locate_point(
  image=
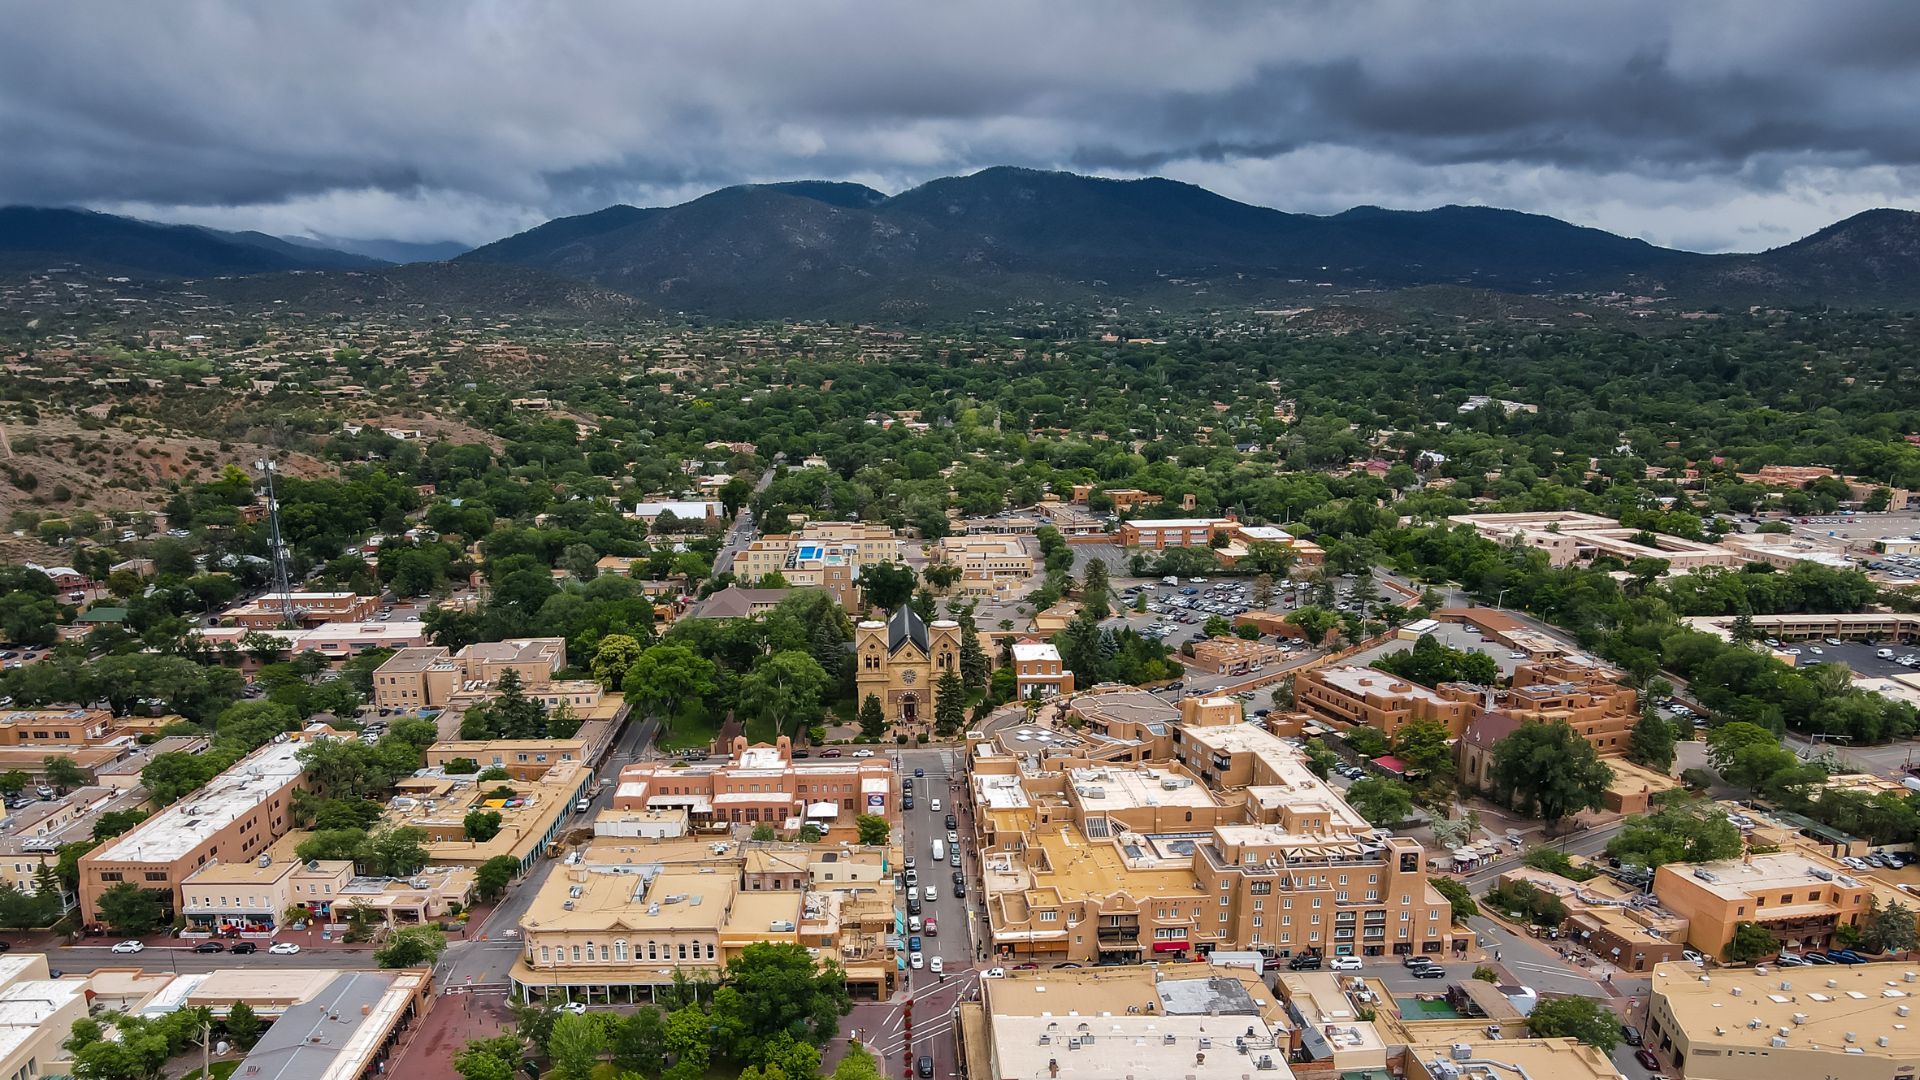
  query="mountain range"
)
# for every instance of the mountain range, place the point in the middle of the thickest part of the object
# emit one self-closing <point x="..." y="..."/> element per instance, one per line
<point x="1005" y="238"/>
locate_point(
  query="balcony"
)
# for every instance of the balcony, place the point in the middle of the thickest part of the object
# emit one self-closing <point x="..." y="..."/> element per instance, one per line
<point x="1110" y="935"/>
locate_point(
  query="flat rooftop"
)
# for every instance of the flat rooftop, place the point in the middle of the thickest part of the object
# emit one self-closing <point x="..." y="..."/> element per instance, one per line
<point x="1166" y="1034"/>
<point x="1366" y="682"/>
<point x="1733" y="879"/>
<point x="599" y="900"/>
<point x="172" y="833"/>
<point x="1118" y="787"/>
<point x="334" y="1035"/>
<point x="1839" y="1009"/>
<point x="1135" y="706"/>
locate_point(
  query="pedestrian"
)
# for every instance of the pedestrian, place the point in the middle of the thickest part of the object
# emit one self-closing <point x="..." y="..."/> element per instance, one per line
<point x="1496" y="956"/>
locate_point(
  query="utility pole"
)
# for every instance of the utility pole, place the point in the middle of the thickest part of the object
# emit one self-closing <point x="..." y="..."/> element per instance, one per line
<point x="266" y="466"/>
<point x="206" y="1048"/>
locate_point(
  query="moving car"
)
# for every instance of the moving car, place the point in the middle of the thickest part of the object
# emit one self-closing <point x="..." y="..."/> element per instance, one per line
<point x="916" y="961"/>
<point x="1645" y="1057"/>
<point x="994" y="973"/>
<point x="863" y="753"/>
<point x="577" y="1008"/>
<point x="1411" y="961"/>
<point x="936" y="806"/>
<point x="129" y="946"/>
<point x="1344" y="963"/>
<point x="283" y="948"/>
<point x="921" y="773"/>
<point x="1430" y="971"/>
<point x="924" y="1067"/>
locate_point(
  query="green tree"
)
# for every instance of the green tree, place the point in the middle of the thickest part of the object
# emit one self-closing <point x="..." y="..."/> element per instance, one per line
<point x="1549" y="771"/>
<point x="776" y="989"/>
<point x="481" y="1059"/>
<point x="576" y="1046"/>
<point x="1750" y="942"/>
<point x="1320" y="760"/>
<point x="639" y="1042"/>
<point x="1652" y="741"/>
<point x="887" y="585"/>
<point x="1458" y="897"/>
<point x="412" y="947"/>
<point x="950" y="705"/>
<point x="666" y="675"/>
<point x="13" y="782"/>
<point x="975" y="668"/>
<point x="243" y="1025"/>
<point x="398" y="852"/>
<point x="1681" y="832"/>
<point x="1581" y="1018"/>
<point x="62" y="773"/>
<point x="873" y="829"/>
<point x="784" y="690"/>
<point x="481" y="825"/>
<point x="689" y="1038"/>
<point x="614" y="657"/>
<point x="1381" y="801"/>
<point x="1314" y="622"/>
<point x="1889" y="929"/>
<point x="491" y="880"/>
<point x="130" y="910"/>
<point x="873" y="719"/>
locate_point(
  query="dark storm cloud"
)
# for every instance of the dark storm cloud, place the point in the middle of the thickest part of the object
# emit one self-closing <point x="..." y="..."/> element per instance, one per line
<point x="1716" y="123"/>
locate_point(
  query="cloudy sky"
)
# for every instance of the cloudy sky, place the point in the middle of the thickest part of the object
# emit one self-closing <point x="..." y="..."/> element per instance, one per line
<point x="1712" y="124"/>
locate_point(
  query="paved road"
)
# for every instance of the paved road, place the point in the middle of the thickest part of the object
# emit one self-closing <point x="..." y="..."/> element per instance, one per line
<point x="960" y="937"/>
<point x="486" y="962"/>
<point x="184" y="960"/>
<point x="741" y="533"/>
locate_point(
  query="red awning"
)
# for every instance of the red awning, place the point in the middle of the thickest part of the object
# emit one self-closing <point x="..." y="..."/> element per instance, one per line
<point x="1169" y="946"/>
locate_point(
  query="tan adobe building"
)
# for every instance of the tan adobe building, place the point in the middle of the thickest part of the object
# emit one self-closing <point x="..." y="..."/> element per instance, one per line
<point x="1128" y="713"/>
<point x="763" y="783"/>
<point x="823" y="554"/>
<point x="989" y="565"/>
<point x="71" y="727"/>
<point x="705" y="513"/>
<point x="1161" y="533"/>
<point x="37" y="1014"/>
<point x="621" y="918"/>
<point x="531" y="813"/>
<point x="523" y="759"/>
<point x="1585" y="697"/>
<point x="1842" y="1022"/>
<point x="247" y="898"/>
<point x="1613" y="921"/>
<point x="1569" y="537"/>
<point x="1798" y="897"/>
<point x="234" y="817"/>
<point x="1560" y="1059"/>
<point x="431" y="677"/>
<point x="32" y="835"/>
<point x="1190" y="1021"/>
<point x="1038" y="671"/>
<point x="901" y="662"/>
<point x="1367" y="697"/>
<point x="1239" y="848"/>
<point x="1234" y="656"/>
<point x="310" y="609"/>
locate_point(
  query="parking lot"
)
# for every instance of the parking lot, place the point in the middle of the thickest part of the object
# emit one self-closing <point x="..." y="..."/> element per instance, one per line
<point x="1452" y="635"/>
<point x="1862" y="657"/>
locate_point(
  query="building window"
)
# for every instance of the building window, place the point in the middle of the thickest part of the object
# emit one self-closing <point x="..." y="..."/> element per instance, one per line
<point x="1049" y="916"/>
<point x="576" y="954"/>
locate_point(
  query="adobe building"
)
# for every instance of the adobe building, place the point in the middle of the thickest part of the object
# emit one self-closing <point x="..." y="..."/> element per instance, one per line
<point x="763" y="784"/>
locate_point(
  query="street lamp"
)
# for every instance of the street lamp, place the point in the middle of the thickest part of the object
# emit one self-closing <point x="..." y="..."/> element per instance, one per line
<point x="1501" y="599"/>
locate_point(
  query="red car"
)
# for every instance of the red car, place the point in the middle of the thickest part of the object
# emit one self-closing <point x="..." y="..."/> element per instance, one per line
<point x="835" y="752"/>
<point x="1645" y="1057"/>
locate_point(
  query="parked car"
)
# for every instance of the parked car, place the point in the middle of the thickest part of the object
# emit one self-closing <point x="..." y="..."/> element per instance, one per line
<point x="1845" y="956"/>
<point x="913" y="943"/>
<point x="994" y="973"/>
<point x="129" y="946"/>
<point x="907" y="803"/>
<point x="1818" y="959"/>
<point x="243" y="948"/>
<point x="924" y="1067"/>
<point x="283" y="948"/>
<point x="1304" y="962"/>
<point x="209" y="947"/>
<point x="916" y="961"/>
<point x="832" y="751"/>
<point x="1345" y="963"/>
<point x="1631" y="1034"/>
<point x="1645" y="1057"/>
<point x="1412" y="961"/>
<point x="577" y="1008"/>
<point x="936" y="965"/>
<point x="951" y="822"/>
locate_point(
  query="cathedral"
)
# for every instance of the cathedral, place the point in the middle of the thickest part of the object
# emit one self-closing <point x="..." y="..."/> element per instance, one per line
<point x="901" y="662"/>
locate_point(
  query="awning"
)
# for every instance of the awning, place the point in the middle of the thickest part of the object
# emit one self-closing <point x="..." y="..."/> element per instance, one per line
<point x="1169" y="946"/>
<point x="825" y="811"/>
<point x="1029" y="935"/>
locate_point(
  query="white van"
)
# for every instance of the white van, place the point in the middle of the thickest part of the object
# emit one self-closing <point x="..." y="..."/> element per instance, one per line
<point x="939" y="850"/>
<point x="1885" y="654"/>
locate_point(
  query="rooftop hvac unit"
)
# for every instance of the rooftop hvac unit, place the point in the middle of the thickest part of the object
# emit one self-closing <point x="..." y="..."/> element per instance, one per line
<point x="1462" y="1051"/>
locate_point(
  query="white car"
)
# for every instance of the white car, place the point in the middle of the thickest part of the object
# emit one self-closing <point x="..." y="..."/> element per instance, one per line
<point x="283" y="948"/>
<point x="917" y="961"/>
<point x="129" y="946"/>
<point x="936" y="805"/>
<point x="994" y="973"/>
<point x="953" y="838"/>
<point x="577" y="1008"/>
<point x="930" y="891"/>
<point x="934" y="965"/>
<point x="863" y="753"/>
<point x="1344" y="963"/>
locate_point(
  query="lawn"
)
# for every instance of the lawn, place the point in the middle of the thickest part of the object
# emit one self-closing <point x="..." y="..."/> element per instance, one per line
<point x="221" y="1070"/>
<point x="694" y="729"/>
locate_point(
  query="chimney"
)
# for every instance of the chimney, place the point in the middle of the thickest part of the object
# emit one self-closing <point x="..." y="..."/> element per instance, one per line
<point x="1053" y="1067"/>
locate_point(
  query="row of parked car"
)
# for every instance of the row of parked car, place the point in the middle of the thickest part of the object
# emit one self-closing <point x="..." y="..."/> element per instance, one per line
<point x="1812" y="958"/>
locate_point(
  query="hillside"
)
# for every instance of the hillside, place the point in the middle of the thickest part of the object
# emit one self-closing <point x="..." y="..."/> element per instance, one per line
<point x="1004" y="237"/>
<point x="35" y="238"/>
